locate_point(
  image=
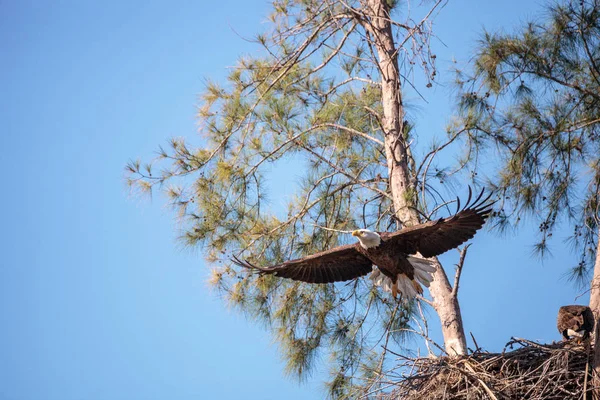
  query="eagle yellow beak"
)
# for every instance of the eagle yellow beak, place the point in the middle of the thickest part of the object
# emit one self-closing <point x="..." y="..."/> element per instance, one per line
<point x="356" y="233"/>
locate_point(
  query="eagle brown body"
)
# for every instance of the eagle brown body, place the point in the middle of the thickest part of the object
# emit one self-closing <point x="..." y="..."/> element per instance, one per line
<point x="392" y="254"/>
<point x="391" y="263"/>
<point x="575" y="322"/>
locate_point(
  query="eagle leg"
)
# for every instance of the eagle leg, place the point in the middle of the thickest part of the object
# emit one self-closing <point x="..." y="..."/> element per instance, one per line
<point x="417" y="286"/>
<point x="394" y="289"/>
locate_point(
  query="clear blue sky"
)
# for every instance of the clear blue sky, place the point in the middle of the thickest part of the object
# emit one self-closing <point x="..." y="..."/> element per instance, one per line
<point x="97" y="300"/>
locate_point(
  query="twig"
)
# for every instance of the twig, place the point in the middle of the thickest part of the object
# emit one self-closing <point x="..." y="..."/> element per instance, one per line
<point x="485" y="387"/>
<point x="477" y="348"/>
<point x="330" y="229"/>
<point x="459" y="267"/>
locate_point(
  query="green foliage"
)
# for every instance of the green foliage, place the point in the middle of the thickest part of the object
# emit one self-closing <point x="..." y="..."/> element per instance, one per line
<point x="535" y="100"/>
<point x="311" y="95"/>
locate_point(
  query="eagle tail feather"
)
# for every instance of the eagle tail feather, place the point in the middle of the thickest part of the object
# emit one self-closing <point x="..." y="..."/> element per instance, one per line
<point x="423" y="269"/>
<point x="408" y="288"/>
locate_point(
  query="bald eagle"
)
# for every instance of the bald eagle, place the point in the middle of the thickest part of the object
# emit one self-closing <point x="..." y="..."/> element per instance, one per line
<point x="575" y="322"/>
<point x="395" y="259"/>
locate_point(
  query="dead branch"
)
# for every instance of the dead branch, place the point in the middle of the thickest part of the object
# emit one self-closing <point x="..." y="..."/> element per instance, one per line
<point x="459" y="268"/>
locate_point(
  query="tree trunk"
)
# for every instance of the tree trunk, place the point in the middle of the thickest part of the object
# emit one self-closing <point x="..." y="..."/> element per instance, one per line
<point x="595" y="306"/>
<point x="403" y="192"/>
<point x="447" y="307"/>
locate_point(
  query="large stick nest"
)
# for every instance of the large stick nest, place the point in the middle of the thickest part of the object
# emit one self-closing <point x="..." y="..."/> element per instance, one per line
<point x="524" y="370"/>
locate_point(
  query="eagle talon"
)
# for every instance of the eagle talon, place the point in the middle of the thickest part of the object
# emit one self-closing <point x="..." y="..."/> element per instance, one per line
<point x="395" y="290"/>
<point x="417" y="287"/>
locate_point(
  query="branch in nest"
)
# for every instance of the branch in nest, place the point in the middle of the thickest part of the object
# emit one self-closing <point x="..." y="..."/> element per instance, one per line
<point x="533" y="371"/>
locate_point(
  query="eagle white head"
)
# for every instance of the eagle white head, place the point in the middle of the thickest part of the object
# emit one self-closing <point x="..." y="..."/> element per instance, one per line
<point x="367" y="238"/>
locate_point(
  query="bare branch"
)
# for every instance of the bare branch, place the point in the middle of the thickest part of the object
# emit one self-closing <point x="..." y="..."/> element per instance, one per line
<point x="330" y="229"/>
<point x="459" y="268"/>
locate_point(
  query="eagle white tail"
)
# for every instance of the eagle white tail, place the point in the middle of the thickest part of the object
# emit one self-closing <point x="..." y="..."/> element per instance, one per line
<point x="407" y="287"/>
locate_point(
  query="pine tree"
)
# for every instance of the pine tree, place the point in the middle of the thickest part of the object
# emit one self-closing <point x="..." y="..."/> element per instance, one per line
<point x="327" y="91"/>
<point x="534" y="100"/>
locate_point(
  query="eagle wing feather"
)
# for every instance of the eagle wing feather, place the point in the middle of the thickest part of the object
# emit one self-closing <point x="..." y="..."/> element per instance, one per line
<point x="341" y="263"/>
<point x="436" y="237"/>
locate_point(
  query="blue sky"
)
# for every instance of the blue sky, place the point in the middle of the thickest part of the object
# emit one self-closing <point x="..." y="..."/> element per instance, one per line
<point x="97" y="299"/>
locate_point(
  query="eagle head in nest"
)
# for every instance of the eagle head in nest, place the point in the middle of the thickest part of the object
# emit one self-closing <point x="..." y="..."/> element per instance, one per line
<point x="575" y="322"/>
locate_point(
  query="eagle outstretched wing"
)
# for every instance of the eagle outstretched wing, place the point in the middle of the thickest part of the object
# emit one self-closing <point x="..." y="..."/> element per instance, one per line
<point x="436" y="237"/>
<point x="341" y="263"/>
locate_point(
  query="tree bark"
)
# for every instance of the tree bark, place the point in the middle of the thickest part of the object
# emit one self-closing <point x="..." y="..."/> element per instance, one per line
<point x="595" y="306"/>
<point x="403" y="192"/>
<point x="595" y="285"/>
<point x="446" y="305"/>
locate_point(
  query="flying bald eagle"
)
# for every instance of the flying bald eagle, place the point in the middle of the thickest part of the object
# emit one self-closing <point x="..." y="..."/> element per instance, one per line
<point x="575" y="322"/>
<point x="391" y="257"/>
